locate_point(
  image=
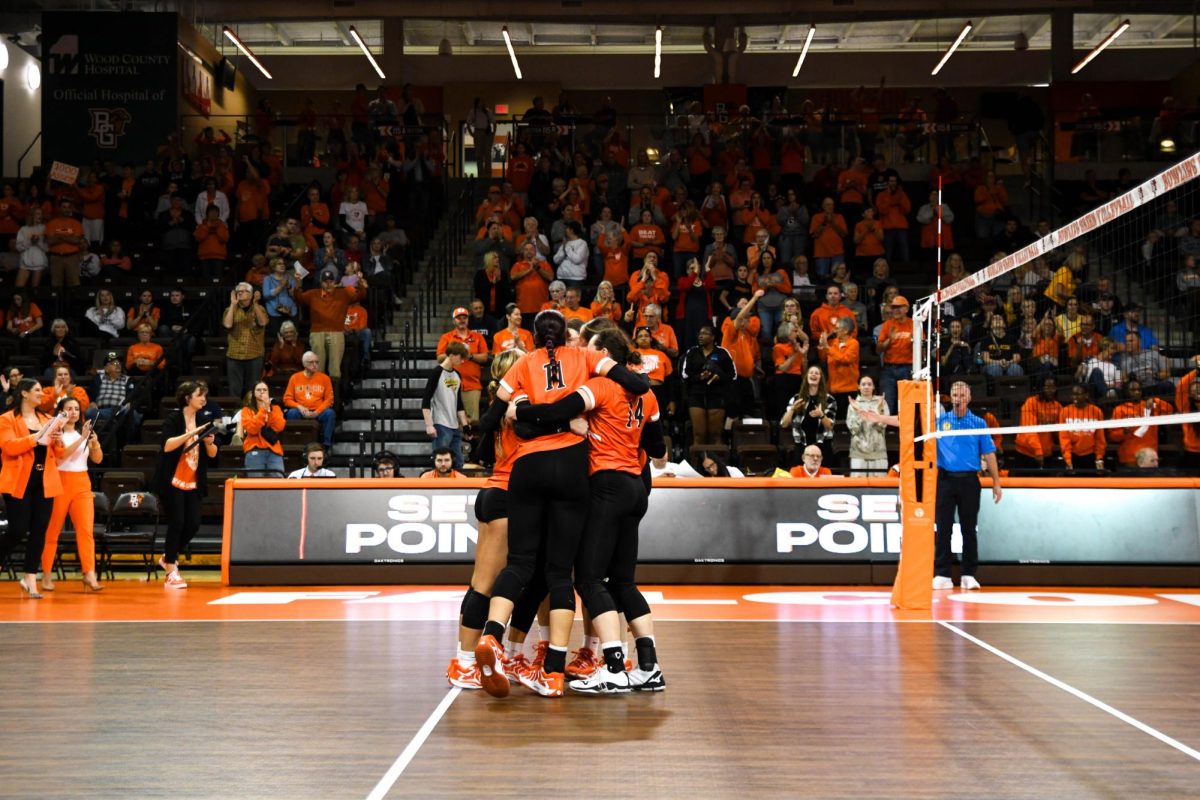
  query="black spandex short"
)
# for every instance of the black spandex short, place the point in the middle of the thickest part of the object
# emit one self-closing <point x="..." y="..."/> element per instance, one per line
<point x="491" y="504"/>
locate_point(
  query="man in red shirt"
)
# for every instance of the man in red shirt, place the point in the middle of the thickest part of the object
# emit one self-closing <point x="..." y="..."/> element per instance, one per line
<point x="64" y="235"/>
<point x="469" y="370"/>
<point x="895" y="350"/>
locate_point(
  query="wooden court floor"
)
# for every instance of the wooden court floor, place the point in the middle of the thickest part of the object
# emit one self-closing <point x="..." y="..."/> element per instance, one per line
<point x="773" y="692"/>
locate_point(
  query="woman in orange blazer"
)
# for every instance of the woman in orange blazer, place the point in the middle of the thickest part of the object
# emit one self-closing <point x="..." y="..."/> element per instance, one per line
<point x="28" y="479"/>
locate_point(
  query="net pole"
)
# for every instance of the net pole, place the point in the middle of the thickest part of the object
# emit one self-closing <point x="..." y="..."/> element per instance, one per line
<point x="935" y="349"/>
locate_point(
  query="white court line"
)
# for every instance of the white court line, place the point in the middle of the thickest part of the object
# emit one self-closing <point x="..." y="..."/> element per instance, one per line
<point x="1084" y="696"/>
<point x="401" y="763"/>
<point x="765" y="620"/>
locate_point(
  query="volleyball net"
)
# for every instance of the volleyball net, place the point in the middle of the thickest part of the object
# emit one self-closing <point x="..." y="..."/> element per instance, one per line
<point x="1086" y="336"/>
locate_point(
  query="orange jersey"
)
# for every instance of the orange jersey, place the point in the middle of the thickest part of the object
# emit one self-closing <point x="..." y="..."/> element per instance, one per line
<point x="535" y="379"/>
<point x="581" y="313"/>
<point x="615" y="420"/>
<point x="780" y="353"/>
<point x="899" y="334"/>
<point x="742" y="345"/>
<point x="1037" y="411"/>
<point x="842" y="359"/>
<point x="1087" y="440"/>
<point x="507" y="446"/>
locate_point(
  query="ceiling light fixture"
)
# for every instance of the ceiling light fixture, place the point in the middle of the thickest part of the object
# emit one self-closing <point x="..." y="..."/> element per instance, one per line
<point x="3" y="56"/>
<point x="658" y="51"/>
<point x="961" y="35"/>
<point x="812" y="31"/>
<point x="1112" y="37"/>
<point x="511" y="53"/>
<point x="357" y="37"/>
<point x="233" y="37"/>
<point x="33" y="76"/>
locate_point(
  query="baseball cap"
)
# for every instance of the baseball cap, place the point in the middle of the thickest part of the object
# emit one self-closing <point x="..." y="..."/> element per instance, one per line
<point x="899" y="300"/>
<point x="1107" y="296"/>
<point x="1133" y="305"/>
<point x="110" y="357"/>
<point x="329" y="274"/>
<point x="461" y="312"/>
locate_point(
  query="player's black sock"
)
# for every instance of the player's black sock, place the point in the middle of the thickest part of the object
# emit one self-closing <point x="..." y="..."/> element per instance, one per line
<point x="493" y="628"/>
<point x="647" y="656"/>
<point x="614" y="658"/>
<point x="556" y="660"/>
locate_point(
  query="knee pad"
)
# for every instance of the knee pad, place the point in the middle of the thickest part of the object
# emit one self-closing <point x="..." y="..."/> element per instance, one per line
<point x="526" y="607"/>
<point x="629" y="600"/>
<point x="475" y="609"/>
<point x="513" y="579"/>
<point x="595" y="596"/>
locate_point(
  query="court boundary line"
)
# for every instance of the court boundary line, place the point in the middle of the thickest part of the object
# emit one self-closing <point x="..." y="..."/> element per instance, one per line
<point x="414" y="745"/>
<point x="1077" y="693"/>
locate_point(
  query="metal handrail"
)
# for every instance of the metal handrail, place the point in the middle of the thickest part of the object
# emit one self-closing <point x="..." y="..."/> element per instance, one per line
<point x="21" y="160"/>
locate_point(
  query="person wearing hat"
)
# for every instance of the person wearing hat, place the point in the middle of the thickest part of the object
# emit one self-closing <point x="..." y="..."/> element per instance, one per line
<point x="1132" y="324"/>
<point x="327" y="306"/>
<point x="111" y="391"/>
<point x="246" y="321"/>
<point x="895" y="349"/>
<point x="469" y="369"/>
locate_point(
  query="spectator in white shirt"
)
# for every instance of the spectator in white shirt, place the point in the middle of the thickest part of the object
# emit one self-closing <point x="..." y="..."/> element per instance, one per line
<point x="572" y="256"/>
<point x="315" y="455"/>
<point x="353" y="211"/>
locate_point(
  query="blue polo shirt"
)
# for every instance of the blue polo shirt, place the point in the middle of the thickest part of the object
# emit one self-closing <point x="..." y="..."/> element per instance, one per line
<point x="962" y="453"/>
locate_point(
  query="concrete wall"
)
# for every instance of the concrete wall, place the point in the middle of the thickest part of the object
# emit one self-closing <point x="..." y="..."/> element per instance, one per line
<point x="22" y="113"/>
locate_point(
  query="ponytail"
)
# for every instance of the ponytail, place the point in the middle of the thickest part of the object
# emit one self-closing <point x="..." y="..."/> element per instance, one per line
<point x="550" y="331"/>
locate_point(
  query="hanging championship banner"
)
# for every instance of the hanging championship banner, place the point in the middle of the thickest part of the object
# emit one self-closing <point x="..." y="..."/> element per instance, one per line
<point x="109" y="85"/>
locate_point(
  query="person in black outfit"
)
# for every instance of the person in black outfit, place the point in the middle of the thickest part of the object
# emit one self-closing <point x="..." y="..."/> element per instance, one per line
<point x="28" y="480"/>
<point x="708" y="373"/>
<point x="181" y="478"/>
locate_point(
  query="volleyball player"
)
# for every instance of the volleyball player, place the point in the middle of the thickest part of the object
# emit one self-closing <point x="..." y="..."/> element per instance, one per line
<point x="499" y="447"/>
<point x="620" y="425"/>
<point x="547" y="494"/>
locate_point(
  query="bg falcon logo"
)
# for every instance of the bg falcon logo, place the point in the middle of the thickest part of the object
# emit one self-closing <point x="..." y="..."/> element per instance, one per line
<point x="108" y="126"/>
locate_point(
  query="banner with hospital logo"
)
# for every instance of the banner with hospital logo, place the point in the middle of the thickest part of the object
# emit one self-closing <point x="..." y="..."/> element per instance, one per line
<point x="109" y="86"/>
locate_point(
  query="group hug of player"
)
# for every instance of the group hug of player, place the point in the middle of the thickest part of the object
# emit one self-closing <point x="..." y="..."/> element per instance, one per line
<point x="572" y="428"/>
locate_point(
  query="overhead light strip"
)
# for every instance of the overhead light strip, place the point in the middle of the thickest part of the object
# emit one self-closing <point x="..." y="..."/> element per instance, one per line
<point x="658" y="51"/>
<point x="511" y="53"/>
<point x="357" y="37"/>
<point x="961" y="35"/>
<point x="1112" y="37"/>
<point x="812" y="31"/>
<point x="246" y="51"/>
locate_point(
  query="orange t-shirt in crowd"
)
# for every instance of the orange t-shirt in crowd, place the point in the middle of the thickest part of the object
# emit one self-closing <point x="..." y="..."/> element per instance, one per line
<point x="1128" y="442"/>
<point x="315" y="393"/>
<point x="253" y="422"/>
<point x="842" y="359"/>
<point x="871" y="243"/>
<point x="992" y="422"/>
<point x="63" y="226"/>
<point x="12" y="215"/>
<point x="1037" y="411"/>
<point x="615" y="421"/>
<point x="665" y="335"/>
<point x="853" y="185"/>
<point x="655" y="364"/>
<point x="375" y="195"/>
<point x="929" y="235"/>
<point x="508" y="444"/>
<point x="893" y="209"/>
<point x="148" y="350"/>
<point x="616" y="261"/>
<point x="990" y="201"/>
<point x="468" y="370"/>
<point x="781" y="353"/>
<point x="92" y="198"/>
<point x="742" y="345"/>
<point x="646" y="239"/>
<point x="532" y="290"/>
<point x="824" y="319"/>
<point x="1081" y="348"/>
<point x="827" y="239"/>
<point x="210" y="241"/>
<point x="899" y="347"/>
<point x="252" y="201"/>
<point x="53" y="394"/>
<point x="536" y="379"/>
<point x="500" y="340"/>
<point x="1081" y="441"/>
<point x="798" y="472"/>
<point x="433" y="474"/>
<point x="660" y="292"/>
<point x="612" y="310"/>
<point x="581" y="313"/>
<point x="687" y="236"/>
<point x="25" y="324"/>
<point x="314" y="218"/>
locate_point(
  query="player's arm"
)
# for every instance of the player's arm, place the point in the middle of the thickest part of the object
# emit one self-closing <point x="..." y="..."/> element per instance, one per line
<point x="652" y="440"/>
<point x="558" y="413"/>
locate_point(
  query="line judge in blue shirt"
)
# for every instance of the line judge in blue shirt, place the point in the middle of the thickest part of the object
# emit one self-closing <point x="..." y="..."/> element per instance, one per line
<point x="958" y="459"/>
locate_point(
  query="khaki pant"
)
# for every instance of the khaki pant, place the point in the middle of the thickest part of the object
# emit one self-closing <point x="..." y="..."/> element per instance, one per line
<point x="329" y="347"/>
<point x="471" y="404"/>
<point x="64" y="269"/>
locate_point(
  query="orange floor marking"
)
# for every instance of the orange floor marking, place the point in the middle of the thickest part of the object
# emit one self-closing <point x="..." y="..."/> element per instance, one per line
<point x="138" y="601"/>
